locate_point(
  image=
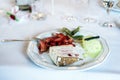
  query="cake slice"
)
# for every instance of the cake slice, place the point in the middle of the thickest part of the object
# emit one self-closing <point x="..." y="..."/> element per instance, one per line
<point x="64" y="55"/>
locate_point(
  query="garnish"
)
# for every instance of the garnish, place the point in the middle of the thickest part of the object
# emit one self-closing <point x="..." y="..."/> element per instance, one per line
<point x="67" y="31"/>
<point x="12" y="16"/>
<point x="92" y="48"/>
<point x="75" y="30"/>
<point x="72" y="33"/>
<point x="93" y="37"/>
<point x="79" y="37"/>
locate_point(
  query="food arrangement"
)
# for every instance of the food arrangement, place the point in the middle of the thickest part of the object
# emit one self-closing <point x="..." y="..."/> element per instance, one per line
<point x="66" y="47"/>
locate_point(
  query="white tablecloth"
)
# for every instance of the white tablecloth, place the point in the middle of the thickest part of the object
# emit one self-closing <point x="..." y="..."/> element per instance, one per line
<point x="15" y="64"/>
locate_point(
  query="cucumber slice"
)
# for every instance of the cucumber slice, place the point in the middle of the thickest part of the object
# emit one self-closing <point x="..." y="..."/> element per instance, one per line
<point x="92" y="48"/>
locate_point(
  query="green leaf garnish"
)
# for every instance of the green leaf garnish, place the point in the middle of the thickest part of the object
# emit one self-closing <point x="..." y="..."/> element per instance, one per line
<point x="78" y="37"/>
<point x="67" y="31"/>
<point x="75" y="30"/>
<point x="93" y="37"/>
<point x="72" y="33"/>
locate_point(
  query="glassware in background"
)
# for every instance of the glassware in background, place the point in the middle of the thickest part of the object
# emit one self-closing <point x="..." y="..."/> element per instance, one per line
<point x="71" y="7"/>
<point x="83" y="11"/>
<point x="29" y="10"/>
<point x="44" y="8"/>
<point x="108" y="4"/>
<point x="38" y="12"/>
<point x="36" y="6"/>
<point x="53" y="7"/>
<point x="89" y="18"/>
<point x="24" y="2"/>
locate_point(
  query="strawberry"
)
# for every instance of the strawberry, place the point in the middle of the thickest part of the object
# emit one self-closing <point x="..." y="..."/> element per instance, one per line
<point x="52" y="44"/>
<point x="47" y="40"/>
<point x="70" y="41"/>
<point x="42" y="46"/>
<point x="56" y="40"/>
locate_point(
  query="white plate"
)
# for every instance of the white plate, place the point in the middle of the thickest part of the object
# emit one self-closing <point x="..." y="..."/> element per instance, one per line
<point x="43" y="60"/>
<point x="115" y="7"/>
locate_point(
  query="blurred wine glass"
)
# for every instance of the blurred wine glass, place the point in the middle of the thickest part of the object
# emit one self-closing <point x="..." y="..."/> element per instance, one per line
<point x="108" y="4"/>
<point x="35" y="6"/>
<point x="73" y="7"/>
<point x="82" y="7"/>
<point x="40" y="7"/>
<point x="38" y="12"/>
<point x="53" y="7"/>
<point x="89" y="18"/>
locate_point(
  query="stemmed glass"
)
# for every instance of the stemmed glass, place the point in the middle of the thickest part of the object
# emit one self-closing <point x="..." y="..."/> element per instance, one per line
<point x="108" y="4"/>
<point x="89" y="19"/>
<point x="72" y="6"/>
<point x="52" y="7"/>
<point x="35" y="6"/>
<point x="40" y="9"/>
<point x="84" y="5"/>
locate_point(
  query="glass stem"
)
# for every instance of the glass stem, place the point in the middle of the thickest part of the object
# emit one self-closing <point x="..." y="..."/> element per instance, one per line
<point x="52" y="7"/>
<point x="109" y="20"/>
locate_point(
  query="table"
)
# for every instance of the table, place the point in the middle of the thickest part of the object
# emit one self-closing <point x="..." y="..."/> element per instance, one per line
<point x="15" y="64"/>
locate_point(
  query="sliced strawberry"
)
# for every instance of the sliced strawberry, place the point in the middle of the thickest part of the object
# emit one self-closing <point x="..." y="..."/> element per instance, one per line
<point x="65" y="41"/>
<point x="52" y="44"/>
<point x="70" y="41"/>
<point x="43" y="46"/>
<point x="60" y="35"/>
<point x="57" y="39"/>
<point x="59" y="43"/>
<point x="47" y="40"/>
<point x="66" y="37"/>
